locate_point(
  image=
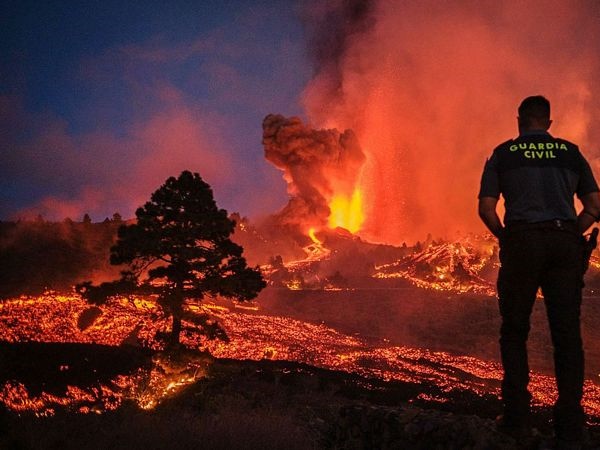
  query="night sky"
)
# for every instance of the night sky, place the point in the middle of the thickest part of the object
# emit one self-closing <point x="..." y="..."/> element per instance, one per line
<point x="101" y="101"/>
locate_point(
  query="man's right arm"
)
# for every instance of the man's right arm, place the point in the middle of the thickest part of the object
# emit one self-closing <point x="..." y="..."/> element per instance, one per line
<point x="489" y="216"/>
<point x="489" y="193"/>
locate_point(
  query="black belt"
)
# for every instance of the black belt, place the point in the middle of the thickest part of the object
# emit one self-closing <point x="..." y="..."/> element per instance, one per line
<point x="556" y="225"/>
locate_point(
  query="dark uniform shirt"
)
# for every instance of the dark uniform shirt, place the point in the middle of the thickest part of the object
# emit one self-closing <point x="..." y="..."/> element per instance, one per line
<point x="537" y="174"/>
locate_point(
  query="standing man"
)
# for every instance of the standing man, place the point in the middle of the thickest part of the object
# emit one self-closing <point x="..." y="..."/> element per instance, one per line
<point x="541" y="245"/>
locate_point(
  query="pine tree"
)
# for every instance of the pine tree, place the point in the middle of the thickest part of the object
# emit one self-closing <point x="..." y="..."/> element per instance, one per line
<point x="179" y="249"/>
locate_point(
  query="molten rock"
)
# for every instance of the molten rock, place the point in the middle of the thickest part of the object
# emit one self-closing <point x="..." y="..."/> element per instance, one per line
<point x="317" y="165"/>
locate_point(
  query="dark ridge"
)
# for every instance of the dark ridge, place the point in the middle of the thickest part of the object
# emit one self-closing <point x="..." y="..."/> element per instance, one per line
<point x="52" y="367"/>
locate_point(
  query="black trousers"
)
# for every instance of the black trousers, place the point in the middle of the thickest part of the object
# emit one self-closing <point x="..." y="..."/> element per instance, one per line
<point x="549" y="257"/>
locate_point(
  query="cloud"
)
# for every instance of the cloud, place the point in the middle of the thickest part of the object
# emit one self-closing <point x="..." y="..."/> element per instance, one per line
<point x="101" y="172"/>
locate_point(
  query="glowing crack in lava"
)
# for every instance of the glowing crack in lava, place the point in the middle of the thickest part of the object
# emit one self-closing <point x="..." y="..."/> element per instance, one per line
<point x="347" y="212"/>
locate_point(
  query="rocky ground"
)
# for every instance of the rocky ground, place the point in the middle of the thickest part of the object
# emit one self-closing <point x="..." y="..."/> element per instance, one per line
<point x="278" y="404"/>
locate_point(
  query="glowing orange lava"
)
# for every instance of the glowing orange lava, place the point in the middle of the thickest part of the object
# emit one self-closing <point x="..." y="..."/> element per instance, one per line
<point x="347" y="211"/>
<point x="252" y="335"/>
<point x="313" y="237"/>
<point x="314" y="251"/>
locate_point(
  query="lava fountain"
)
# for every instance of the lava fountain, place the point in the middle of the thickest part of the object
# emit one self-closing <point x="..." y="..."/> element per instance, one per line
<point x="321" y="168"/>
<point x="347" y="212"/>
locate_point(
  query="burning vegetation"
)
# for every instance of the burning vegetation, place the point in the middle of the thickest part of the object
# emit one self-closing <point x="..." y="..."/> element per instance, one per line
<point x="126" y="331"/>
<point x="333" y="260"/>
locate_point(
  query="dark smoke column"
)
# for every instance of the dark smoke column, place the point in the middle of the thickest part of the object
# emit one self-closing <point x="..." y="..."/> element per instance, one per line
<point x="317" y="165"/>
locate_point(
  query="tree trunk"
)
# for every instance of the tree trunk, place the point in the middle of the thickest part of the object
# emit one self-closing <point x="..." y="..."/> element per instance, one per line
<point x="175" y="330"/>
<point x="176" y="307"/>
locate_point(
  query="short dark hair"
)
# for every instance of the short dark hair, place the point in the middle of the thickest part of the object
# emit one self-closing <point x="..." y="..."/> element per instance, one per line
<point x="534" y="108"/>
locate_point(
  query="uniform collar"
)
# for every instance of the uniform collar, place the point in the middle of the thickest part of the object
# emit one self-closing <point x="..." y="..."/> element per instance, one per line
<point x="534" y="133"/>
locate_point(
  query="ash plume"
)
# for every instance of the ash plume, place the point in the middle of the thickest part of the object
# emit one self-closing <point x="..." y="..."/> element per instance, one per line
<point x="430" y="90"/>
<point x="316" y="163"/>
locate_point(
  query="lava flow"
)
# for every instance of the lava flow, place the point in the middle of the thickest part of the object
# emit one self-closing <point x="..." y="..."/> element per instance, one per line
<point x="253" y="334"/>
<point x="448" y="266"/>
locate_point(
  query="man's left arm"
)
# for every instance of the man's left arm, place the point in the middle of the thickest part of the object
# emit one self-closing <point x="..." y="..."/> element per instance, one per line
<point x="587" y="191"/>
<point x="590" y="212"/>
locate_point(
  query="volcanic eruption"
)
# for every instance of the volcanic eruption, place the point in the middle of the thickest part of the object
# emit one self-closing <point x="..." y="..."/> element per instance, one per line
<point x="322" y="170"/>
<point x="388" y="152"/>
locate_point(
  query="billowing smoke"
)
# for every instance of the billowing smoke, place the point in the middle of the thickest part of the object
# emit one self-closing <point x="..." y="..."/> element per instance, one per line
<point x="316" y="163"/>
<point x="430" y="89"/>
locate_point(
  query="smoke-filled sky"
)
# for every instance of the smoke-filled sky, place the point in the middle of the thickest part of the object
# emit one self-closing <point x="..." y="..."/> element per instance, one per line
<point x="100" y="101"/>
<point x="431" y="87"/>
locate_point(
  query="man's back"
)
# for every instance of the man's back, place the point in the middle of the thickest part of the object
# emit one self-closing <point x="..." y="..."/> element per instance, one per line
<point x="537" y="174"/>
